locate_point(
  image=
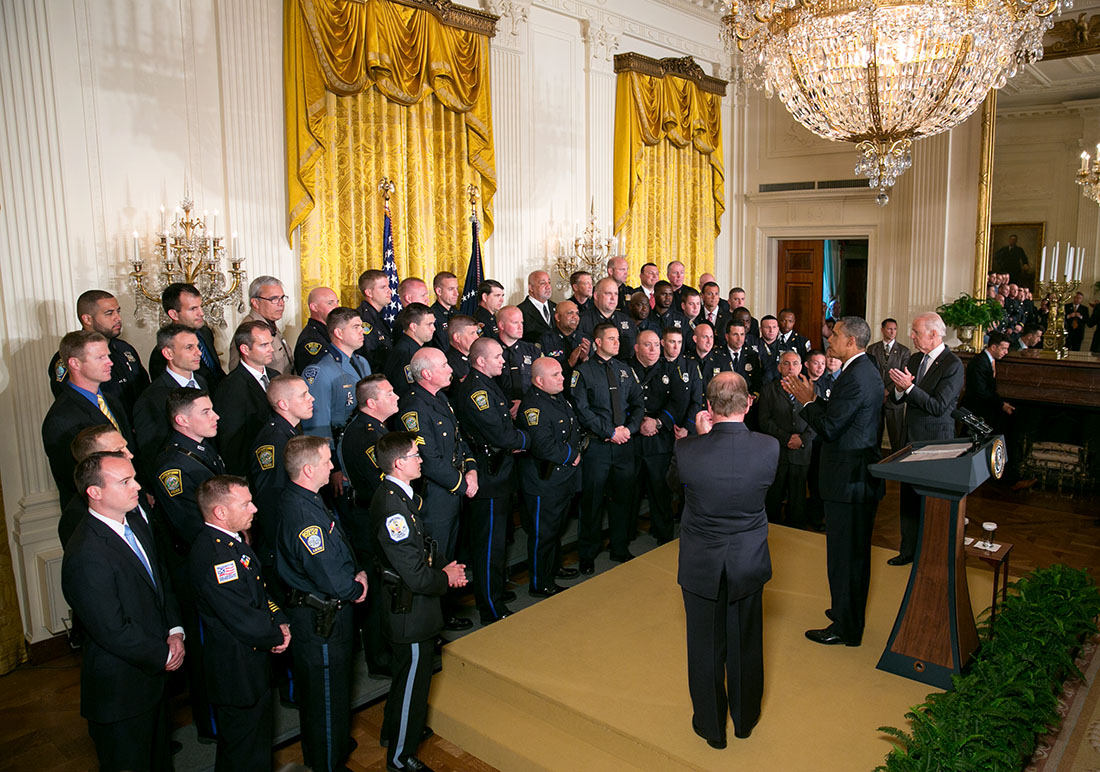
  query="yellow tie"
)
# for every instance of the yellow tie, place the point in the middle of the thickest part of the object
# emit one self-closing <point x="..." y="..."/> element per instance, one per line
<point x="106" y="411"/>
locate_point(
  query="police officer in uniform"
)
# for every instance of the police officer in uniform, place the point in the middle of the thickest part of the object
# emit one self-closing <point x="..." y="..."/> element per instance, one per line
<point x="768" y="349"/>
<point x="490" y="299"/>
<point x="666" y="311"/>
<point x="315" y="560"/>
<point x="686" y="384"/>
<point x="549" y="472"/>
<point x="449" y="471"/>
<point x="706" y="356"/>
<point x="736" y="356"/>
<point x="415" y="579"/>
<point x="241" y="624"/>
<point x="610" y="407"/>
<point x="653" y="442"/>
<point x="789" y="340"/>
<point x="486" y="423"/>
<point x="332" y="380"/>
<point x="414" y="328"/>
<point x="463" y="331"/>
<point x="519" y="354"/>
<point x="377" y="337"/>
<point x="605" y="310"/>
<point x="313" y="341"/>
<point x="564" y="342"/>
<point x="99" y="311"/>
<point x="445" y="286"/>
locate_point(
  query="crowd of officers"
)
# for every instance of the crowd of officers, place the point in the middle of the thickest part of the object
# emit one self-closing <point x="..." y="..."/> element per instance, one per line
<point x="349" y="475"/>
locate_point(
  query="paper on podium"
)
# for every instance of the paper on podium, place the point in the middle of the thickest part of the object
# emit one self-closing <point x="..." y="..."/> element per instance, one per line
<point x="938" y="452"/>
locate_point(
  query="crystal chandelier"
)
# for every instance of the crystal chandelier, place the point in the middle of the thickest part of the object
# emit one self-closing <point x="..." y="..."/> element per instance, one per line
<point x="881" y="73"/>
<point x="590" y="250"/>
<point x="1088" y="176"/>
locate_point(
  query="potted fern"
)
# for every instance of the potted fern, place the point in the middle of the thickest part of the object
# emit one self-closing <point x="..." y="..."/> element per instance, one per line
<point x="970" y="317"/>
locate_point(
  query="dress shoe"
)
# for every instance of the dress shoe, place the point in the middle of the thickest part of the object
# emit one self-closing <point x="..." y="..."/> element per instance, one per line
<point x="899" y="560"/>
<point x="566" y="573"/>
<point x="829" y="613"/>
<point x="622" y="557"/>
<point x="540" y="592"/>
<point x="455" y="624"/>
<point x="716" y="744"/>
<point x="428" y="732"/>
<point x="409" y="764"/>
<point x="503" y="612"/>
<point x="588" y="566"/>
<point x="828" y="637"/>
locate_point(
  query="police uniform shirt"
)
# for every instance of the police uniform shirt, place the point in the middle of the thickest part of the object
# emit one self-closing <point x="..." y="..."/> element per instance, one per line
<point x="357" y="457"/>
<point x="591" y="392"/>
<point x="657" y="387"/>
<point x="628" y="331"/>
<point x="486" y="323"/>
<point x="441" y="340"/>
<point x="709" y="365"/>
<point x="313" y="553"/>
<point x="823" y="386"/>
<point x="685" y="391"/>
<point x="559" y="346"/>
<point x="377" y="337"/>
<point x="460" y="365"/>
<point x="678" y="295"/>
<point x="625" y="291"/>
<point x="556" y="442"/>
<point x="332" y="381"/>
<point x="267" y="471"/>
<point x="748" y="366"/>
<point x="769" y="357"/>
<point x="482" y="410"/>
<point x="313" y="343"/>
<point x="672" y="320"/>
<point x="792" y="341"/>
<point x="518" y="358"/>
<point x="180" y="469"/>
<point x="128" y="377"/>
<point x="445" y="456"/>
<point x="397" y="370"/>
<point x="581" y="307"/>
<point x="651" y="323"/>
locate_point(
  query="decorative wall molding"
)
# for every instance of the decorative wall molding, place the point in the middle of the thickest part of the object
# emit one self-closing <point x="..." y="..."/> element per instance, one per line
<point x="601" y="44"/>
<point x="454" y="15"/>
<point x="511" y="22"/>
<point x="679" y="66"/>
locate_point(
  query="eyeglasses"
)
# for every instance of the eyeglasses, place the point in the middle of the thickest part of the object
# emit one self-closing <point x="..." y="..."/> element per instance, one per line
<point x="413" y="455"/>
<point x="273" y="298"/>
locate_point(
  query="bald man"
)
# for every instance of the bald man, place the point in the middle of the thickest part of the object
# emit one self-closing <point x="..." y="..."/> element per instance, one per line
<point x="618" y="269"/>
<point x="537" y="307"/>
<point x="313" y="341"/>
<point x="519" y="354"/>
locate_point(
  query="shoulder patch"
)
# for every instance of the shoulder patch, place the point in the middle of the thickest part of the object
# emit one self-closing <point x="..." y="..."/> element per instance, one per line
<point x="370" y="455"/>
<point x="265" y="456"/>
<point x="367" y="328"/>
<point x="313" y="538"/>
<point x="310" y="374"/>
<point x="573" y="381"/>
<point x="480" y="399"/>
<point x="408" y="373"/>
<point x="60" y="371"/>
<point x="225" y="572"/>
<point x="172" y="480"/>
<point x="398" y="528"/>
<point x="312" y="348"/>
<point x="532" y="416"/>
<point x="411" y="421"/>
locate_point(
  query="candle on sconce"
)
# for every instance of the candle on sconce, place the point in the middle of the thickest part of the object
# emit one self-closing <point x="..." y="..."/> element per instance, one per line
<point x="1069" y="262"/>
<point x="137" y="254"/>
<point x="1043" y="266"/>
<point x="235" y="246"/>
<point x="1054" y="267"/>
<point x="1084" y="161"/>
<point x="163" y="225"/>
<point x="214" y="226"/>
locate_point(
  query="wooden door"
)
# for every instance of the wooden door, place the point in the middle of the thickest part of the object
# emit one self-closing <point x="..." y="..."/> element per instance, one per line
<point x="801" y="275"/>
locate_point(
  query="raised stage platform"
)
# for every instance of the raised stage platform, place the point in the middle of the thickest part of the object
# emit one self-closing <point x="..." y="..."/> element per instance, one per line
<point x="596" y="678"/>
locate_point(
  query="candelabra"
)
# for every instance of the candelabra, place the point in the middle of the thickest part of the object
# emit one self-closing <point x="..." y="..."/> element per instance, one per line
<point x="590" y="251"/>
<point x="186" y="252"/>
<point x="1088" y="177"/>
<point x="1054" y="339"/>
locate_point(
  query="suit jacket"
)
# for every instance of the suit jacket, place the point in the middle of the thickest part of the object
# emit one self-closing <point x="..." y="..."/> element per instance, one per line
<point x="534" y="323"/>
<point x="70" y="412"/>
<point x="151" y="420"/>
<point x="284" y="358"/>
<point x="242" y="407"/>
<point x="725" y="475"/>
<point x="779" y="417"/>
<point x="213" y="375"/>
<point x="898" y="358"/>
<point x="981" y="389"/>
<point x="848" y="426"/>
<point x="126" y="617"/>
<point x="930" y="402"/>
<point x="722" y="318"/>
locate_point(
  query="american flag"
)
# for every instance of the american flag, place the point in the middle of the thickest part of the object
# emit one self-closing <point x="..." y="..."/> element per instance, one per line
<point x="475" y="273"/>
<point x="389" y="267"/>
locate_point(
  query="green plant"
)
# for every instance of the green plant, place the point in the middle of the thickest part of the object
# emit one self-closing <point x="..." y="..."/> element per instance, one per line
<point x="968" y="311"/>
<point x="1009" y="696"/>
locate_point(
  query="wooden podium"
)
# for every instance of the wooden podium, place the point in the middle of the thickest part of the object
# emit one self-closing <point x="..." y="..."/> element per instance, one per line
<point x="934" y="633"/>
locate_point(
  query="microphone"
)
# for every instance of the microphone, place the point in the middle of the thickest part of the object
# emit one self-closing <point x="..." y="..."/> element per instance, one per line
<point x="972" y="422"/>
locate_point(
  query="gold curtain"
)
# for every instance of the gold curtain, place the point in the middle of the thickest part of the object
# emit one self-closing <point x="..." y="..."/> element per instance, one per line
<point x="669" y="177"/>
<point x="374" y="89"/>
<point x="13" y="649"/>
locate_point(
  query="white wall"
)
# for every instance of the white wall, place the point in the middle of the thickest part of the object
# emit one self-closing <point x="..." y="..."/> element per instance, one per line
<point x="106" y="106"/>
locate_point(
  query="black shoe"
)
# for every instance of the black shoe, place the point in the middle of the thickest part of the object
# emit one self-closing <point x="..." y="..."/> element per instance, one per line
<point x="428" y="732"/>
<point x="829" y="613"/>
<point x="409" y="764"/>
<point x="507" y="596"/>
<point x="454" y="624"/>
<point x="504" y="612"/>
<point x="566" y="573"/>
<point x="828" y="637"/>
<point x="716" y="744"/>
<point x="622" y="557"/>
<point x="588" y="566"/>
<point x="899" y="560"/>
<point x="553" y="589"/>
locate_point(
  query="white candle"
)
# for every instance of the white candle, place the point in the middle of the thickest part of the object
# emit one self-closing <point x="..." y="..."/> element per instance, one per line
<point x="137" y="254"/>
<point x="1080" y="263"/>
<point x="162" y="224"/>
<point x="1069" y="262"/>
<point x="1084" y="162"/>
<point x="1054" y="267"/>
<point x="234" y="245"/>
<point x="1043" y="267"/>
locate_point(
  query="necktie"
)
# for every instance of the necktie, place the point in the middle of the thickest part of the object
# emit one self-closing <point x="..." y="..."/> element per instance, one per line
<point x="264" y="380"/>
<point x="355" y="366"/>
<point x="192" y="384"/>
<point x="131" y="539"/>
<point x="204" y="353"/>
<point x="736" y="356"/>
<point x="546" y="313"/>
<point x="924" y="364"/>
<point x="710" y="318"/>
<point x="106" y="410"/>
<point x="618" y="417"/>
<point x="994" y="362"/>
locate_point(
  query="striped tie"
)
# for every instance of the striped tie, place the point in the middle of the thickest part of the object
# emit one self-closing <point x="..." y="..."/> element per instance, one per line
<point x="106" y="410"/>
<point x="131" y="539"/>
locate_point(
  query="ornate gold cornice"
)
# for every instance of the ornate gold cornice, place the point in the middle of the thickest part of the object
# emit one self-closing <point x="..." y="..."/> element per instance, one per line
<point x="471" y="19"/>
<point x="1073" y="37"/>
<point x="682" y="67"/>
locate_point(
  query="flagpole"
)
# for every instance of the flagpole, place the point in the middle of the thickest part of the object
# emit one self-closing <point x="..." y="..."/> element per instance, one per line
<point x="389" y="261"/>
<point x="475" y="269"/>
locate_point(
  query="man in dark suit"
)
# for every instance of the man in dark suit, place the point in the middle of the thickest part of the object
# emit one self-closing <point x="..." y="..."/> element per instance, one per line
<point x="889" y="354"/>
<point x="712" y="311"/>
<point x="930" y="388"/>
<point x="240" y="625"/>
<point x="725" y="472"/>
<point x="848" y="425"/>
<point x="737" y="357"/>
<point x="981" y="395"/>
<point x="101" y="438"/>
<point x="80" y="404"/>
<point x="1077" y="317"/>
<point x="537" y="307"/>
<point x="183" y="305"/>
<point x="778" y="417"/>
<point x="241" y="397"/>
<point x="116" y="585"/>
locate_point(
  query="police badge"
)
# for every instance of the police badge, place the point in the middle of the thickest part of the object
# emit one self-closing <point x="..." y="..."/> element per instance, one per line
<point x="664" y="380"/>
<point x="532" y="416"/>
<point x="480" y="399"/>
<point x="411" y="421"/>
<point x="172" y="480"/>
<point x="265" y="456"/>
<point x="748" y="367"/>
<point x="685" y="377"/>
<point x="313" y="538"/>
<point x="312" y="348"/>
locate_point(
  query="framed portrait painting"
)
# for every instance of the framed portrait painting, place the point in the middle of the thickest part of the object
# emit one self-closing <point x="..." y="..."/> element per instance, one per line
<point x="1015" y="248"/>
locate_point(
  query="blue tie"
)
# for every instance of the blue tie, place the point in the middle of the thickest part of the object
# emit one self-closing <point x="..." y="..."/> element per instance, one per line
<point x="205" y="353"/>
<point x="131" y="539"/>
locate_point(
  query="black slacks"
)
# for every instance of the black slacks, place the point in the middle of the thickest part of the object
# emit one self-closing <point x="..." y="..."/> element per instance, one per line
<point x="488" y="533"/>
<point x="607" y="471"/>
<point x="790" y="483"/>
<point x="135" y="744"/>
<point x="407" y="706"/>
<point x="440" y="518"/>
<point x="848" y="529"/>
<point x="725" y="648"/>
<point x="245" y="736"/>
<point x="651" y="480"/>
<point x="547" y="518"/>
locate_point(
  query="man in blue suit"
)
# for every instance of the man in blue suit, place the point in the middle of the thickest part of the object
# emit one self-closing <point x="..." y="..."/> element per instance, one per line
<point x="848" y="424"/>
<point x="724" y="561"/>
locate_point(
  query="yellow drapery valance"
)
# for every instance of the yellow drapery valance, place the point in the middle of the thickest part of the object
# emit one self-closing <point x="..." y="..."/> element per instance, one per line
<point x="346" y="47"/>
<point x="655" y="108"/>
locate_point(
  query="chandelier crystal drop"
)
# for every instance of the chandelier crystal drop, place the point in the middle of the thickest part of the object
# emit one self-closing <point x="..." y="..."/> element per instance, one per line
<point x="881" y="73"/>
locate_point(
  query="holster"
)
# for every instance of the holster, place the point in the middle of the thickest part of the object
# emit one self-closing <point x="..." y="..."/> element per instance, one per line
<point x="401" y="595"/>
<point x="324" y="610"/>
